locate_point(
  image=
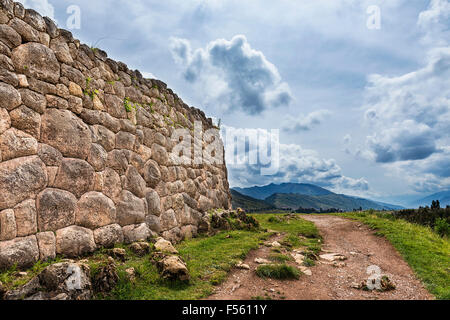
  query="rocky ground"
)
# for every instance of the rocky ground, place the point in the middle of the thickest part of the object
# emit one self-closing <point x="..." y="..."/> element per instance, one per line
<point x="349" y="249"/>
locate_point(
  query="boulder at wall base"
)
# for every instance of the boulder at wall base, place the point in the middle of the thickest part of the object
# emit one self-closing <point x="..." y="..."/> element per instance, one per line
<point x="163" y="245"/>
<point x="106" y="278"/>
<point x="23" y="252"/>
<point x="60" y="281"/>
<point x="19" y="179"/>
<point x="74" y="241"/>
<point x="173" y="268"/>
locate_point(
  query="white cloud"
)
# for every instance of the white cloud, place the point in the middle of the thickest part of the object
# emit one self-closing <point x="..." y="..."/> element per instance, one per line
<point x="305" y="122"/>
<point x="232" y="75"/>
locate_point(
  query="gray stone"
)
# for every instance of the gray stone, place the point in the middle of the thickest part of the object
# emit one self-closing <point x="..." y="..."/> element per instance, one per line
<point x="23" y="252"/>
<point x="26" y="220"/>
<point x="134" y="233"/>
<point x="9" y="97"/>
<point x="5" y="120"/>
<point x="15" y="143"/>
<point x="112" y="185"/>
<point x="159" y="154"/>
<point x="153" y="202"/>
<point x="9" y="36"/>
<point x="104" y="137"/>
<point x="8" y="229"/>
<point x="173" y="268"/>
<point x="27" y="120"/>
<point x="20" y="179"/>
<point x="76" y="176"/>
<point x="97" y="157"/>
<point x="37" y="61"/>
<point x="49" y="155"/>
<point x="61" y="49"/>
<point x="47" y="245"/>
<point x="62" y="130"/>
<point x="74" y="241"/>
<point x="33" y="100"/>
<point x="134" y="182"/>
<point x="35" y="20"/>
<point x="168" y="220"/>
<point x="130" y="209"/>
<point x="152" y="174"/>
<point x="118" y="161"/>
<point x="115" y="106"/>
<point x="108" y="236"/>
<point x="55" y="209"/>
<point x="95" y="210"/>
<point x="27" y="33"/>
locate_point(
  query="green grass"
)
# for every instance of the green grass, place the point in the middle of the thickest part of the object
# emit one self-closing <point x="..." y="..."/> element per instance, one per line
<point x="278" y="271"/>
<point x="208" y="260"/>
<point x="425" y="251"/>
<point x="279" y="257"/>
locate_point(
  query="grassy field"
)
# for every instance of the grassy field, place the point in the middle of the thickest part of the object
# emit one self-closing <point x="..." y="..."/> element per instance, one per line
<point x="425" y="251"/>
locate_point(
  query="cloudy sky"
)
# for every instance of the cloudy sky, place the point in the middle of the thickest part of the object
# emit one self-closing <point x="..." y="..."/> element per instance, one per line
<point x="364" y="111"/>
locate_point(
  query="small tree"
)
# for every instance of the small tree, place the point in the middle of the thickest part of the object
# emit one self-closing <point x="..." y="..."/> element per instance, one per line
<point x="435" y="205"/>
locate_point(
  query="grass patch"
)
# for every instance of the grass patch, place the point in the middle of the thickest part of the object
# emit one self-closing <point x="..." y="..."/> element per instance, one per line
<point x="425" y="251"/>
<point x="279" y="257"/>
<point x="278" y="271"/>
<point x="208" y="260"/>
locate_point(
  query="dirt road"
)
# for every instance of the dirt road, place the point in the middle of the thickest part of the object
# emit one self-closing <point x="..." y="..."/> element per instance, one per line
<point x="357" y="243"/>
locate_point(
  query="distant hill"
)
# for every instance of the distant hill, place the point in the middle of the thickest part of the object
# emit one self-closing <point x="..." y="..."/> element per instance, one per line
<point x="329" y="201"/>
<point x="262" y="193"/>
<point x="248" y="203"/>
<point x="443" y="197"/>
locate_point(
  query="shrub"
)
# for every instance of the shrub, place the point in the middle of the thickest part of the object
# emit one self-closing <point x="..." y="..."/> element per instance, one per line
<point x="278" y="271"/>
<point x="442" y="227"/>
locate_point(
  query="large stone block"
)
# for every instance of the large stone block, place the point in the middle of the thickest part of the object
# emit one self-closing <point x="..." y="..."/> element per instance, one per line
<point x="115" y="106"/>
<point x="27" y="33"/>
<point x="8" y="229"/>
<point x="154" y="223"/>
<point x="9" y="97"/>
<point x="108" y="236"/>
<point x="111" y="185"/>
<point x="168" y="220"/>
<point x="49" y="155"/>
<point x="97" y="157"/>
<point x="55" y="209"/>
<point x="134" y="182"/>
<point x="26" y="218"/>
<point x="37" y="61"/>
<point x="15" y="143"/>
<point x="75" y="241"/>
<point x="47" y="245"/>
<point x="76" y="176"/>
<point x="33" y="100"/>
<point x="61" y="49"/>
<point x="159" y="154"/>
<point x="23" y="252"/>
<point x="95" y="210"/>
<point x="153" y="202"/>
<point x="5" y="120"/>
<point x="64" y="131"/>
<point x="9" y="36"/>
<point x="27" y="120"/>
<point x="152" y="174"/>
<point x="130" y="209"/>
<point x="134" y="233"/>
<point x="20" y="179"/>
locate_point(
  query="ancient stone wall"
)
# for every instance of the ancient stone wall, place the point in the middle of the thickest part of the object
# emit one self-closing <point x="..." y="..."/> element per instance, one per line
<point x="86" y="149"/>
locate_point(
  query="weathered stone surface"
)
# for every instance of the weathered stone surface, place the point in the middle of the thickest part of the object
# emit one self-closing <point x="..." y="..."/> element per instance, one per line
<point x="47" y="245"/>
<point x="26" y="219"/>
<point x="37" y="61"/>
<point x="74" y="241"/>
<point x="154" y="223"/>
<point x="168" y="220"/>
<point x="8" y="229"/>
<point x="35" y="20"/>
<point x="67" y="279"/>
<point x="55" y="209"/>
<point x="5" y="120"/>
<point x="134" y="233"/>
<point x="15" y="143"/>
<point x="117" y="160"/>
<point x="159" y="154"/>
<point x="105" y="137"/>
<point x="27" y="120"/>
<point x="172" y="267"/>
<point x="152" y="174"/>
<point x="163" y="245"/>
<point x="95" y="210"/>
<point x="76" y="176"/>
<point x="21" y="251"/>
<point x="61" y="49"/>
<point x="115" y="106"/>
<point x="153" y="202"/>
<point x="27" y="33"/>
<point x="111" y="185"/>
<point x="49" y="155"/>
<point x="108" y="236"/>
<point x="62" y="130"/>
<point x="125" y="140"/>
<point x="20" y="179"/>
<point x="9" y="36"/>
<point x="9" y="97"/>
<point x="134" y="182"/>
<point x="97" y="157"/>
<point x="33" y="100"/>
<point x="130" y="209"/>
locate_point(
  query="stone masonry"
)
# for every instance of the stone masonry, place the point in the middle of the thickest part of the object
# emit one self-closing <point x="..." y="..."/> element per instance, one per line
<point x="85" y="149"/>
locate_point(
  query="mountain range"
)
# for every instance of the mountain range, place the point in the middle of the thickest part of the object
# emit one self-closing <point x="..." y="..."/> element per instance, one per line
<point x="443" y="197"/>
<point x="300" y="195"/>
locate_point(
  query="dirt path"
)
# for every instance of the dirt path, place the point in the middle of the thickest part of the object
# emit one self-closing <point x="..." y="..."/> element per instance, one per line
<point x="352" y="239"/>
